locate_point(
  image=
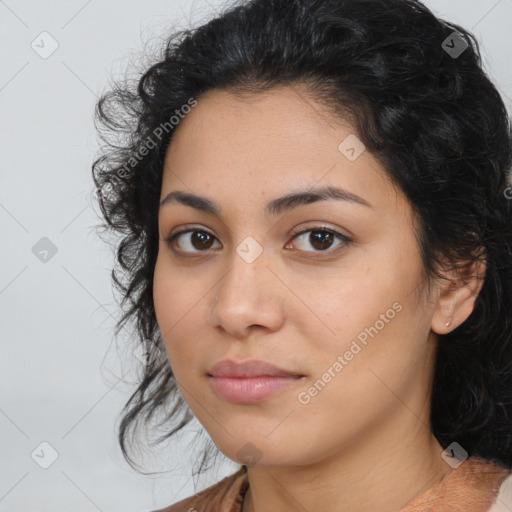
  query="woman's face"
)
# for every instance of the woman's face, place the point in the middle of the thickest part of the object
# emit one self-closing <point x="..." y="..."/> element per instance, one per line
<point x="347" y="316"/>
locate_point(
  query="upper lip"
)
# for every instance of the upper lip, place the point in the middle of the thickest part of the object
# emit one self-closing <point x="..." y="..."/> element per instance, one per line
<point x="249" y="368"/>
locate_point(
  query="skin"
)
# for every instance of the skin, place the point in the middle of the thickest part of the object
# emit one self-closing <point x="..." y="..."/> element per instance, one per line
<point x="363" y="442"/>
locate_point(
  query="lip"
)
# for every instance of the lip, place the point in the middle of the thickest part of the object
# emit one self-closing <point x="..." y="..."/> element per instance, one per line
<point x="247" y="390"/>
<point x="249" y="368"/>
<point x="250" y="381"/>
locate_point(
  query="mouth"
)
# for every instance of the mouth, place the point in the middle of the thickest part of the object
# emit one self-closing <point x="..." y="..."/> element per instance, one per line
<point x="250" y="381"/>
<point x="247" y="390"/>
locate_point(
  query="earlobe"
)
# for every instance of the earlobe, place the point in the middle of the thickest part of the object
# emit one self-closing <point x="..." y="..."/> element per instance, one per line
<point x="457" y="299"/>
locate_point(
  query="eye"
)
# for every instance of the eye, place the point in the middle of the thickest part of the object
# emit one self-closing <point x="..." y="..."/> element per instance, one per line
<point x="321" y="238"/>
<point x="200" y="239"/>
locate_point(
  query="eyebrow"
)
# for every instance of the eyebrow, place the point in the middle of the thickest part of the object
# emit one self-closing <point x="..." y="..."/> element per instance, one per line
<point x="273" y="208"/>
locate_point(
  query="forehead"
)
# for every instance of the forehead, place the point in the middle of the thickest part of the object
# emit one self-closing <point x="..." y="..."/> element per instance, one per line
<point x="286" y="112"/>
<point x="260" y="146"/>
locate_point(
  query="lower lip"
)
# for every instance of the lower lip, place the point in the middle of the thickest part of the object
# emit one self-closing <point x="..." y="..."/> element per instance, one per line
<point x="241" y="390"/>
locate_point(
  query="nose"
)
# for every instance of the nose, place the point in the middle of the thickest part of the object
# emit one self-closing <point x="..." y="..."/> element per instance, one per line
<point x="249" y="295"/>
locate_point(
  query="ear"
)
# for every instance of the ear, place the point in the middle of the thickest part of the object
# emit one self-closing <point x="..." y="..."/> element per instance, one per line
<point x="457" y="297"/>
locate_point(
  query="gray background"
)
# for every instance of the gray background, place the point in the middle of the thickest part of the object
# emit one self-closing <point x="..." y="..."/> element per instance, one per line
<point x="60" y="366"/>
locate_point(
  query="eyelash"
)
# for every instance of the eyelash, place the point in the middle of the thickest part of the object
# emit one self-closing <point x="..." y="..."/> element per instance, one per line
<point x="346" y="241"/>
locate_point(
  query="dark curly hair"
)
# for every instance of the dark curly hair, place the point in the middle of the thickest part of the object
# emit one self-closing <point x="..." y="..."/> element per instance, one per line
<point x="415" y="91"/>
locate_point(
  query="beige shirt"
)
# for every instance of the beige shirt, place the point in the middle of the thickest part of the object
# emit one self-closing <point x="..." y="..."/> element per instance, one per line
<point x="471" y="487"/>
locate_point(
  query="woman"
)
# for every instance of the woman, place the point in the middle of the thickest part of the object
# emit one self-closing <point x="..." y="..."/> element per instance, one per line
<point x="316" y="228"/>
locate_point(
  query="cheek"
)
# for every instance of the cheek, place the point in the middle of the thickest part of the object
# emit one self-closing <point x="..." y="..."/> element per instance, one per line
<point x="174" y="302"/>
<point x="375" y="348"/>
<point x="342" y="308"/>
<point x="181" y="307"/>
<point x="368" y="315"/>
<point x="176" y="297"/>
<point x="163" y="294"/>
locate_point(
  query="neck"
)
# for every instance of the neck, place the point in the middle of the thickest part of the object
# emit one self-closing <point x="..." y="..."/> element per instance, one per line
<point x="401" y="462"/>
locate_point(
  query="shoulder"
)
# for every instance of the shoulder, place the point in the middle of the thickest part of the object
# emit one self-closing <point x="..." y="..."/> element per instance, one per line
<point x="503" y="502"/>
<point x="224" y="496"/>
<point x="473" y="487"/>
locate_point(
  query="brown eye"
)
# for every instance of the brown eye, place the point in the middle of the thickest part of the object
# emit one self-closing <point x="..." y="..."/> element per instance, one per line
<point x="321" y="239"/>
<point x="197" y="241"/>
